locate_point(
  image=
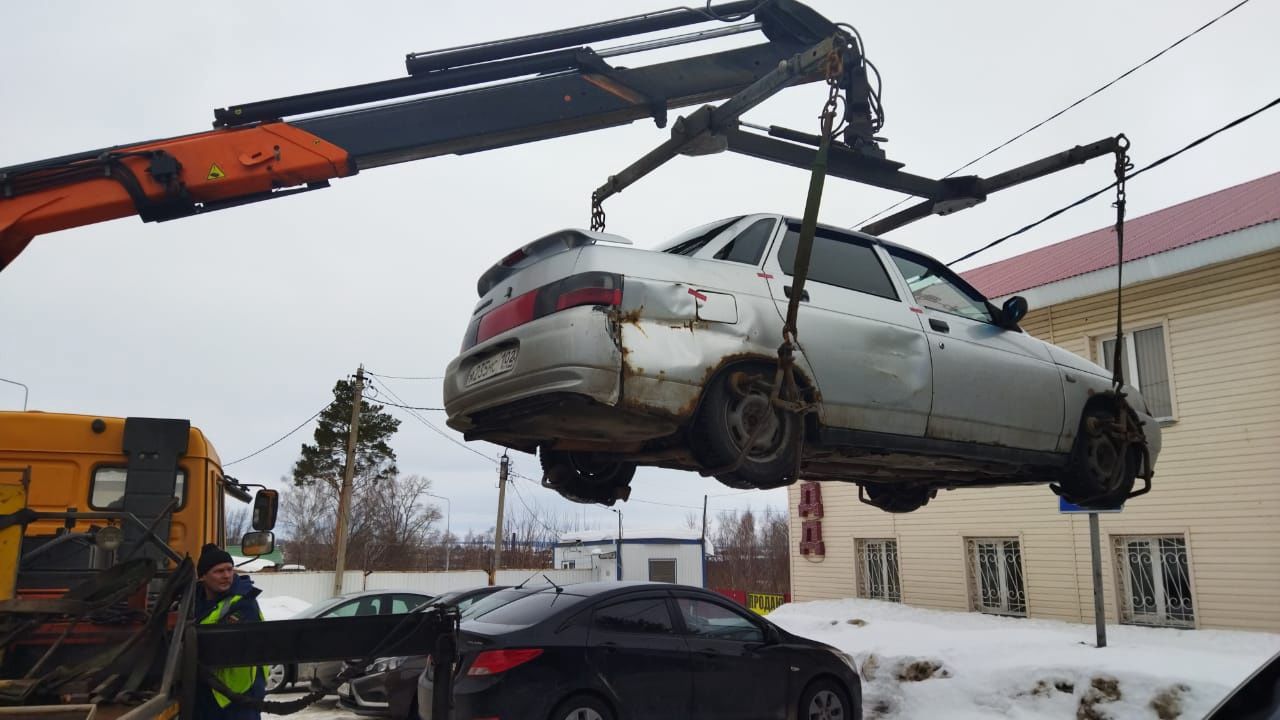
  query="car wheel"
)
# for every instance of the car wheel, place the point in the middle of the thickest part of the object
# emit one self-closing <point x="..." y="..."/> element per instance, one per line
<point x="825" y="700"/>
<point x="897" y="499"/>
<point x="1094" y="477"/>
<point x="582" y="707"/>
<point x="277" y="678"/>
<point x="735" y="413"/>
<point x="586" y="478"/>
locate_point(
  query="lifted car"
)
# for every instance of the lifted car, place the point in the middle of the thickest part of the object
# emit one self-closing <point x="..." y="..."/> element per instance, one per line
<point x="602" y="357"/>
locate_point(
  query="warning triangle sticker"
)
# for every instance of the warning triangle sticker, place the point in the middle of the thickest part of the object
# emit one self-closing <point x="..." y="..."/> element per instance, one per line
<point x="215" y="173"/>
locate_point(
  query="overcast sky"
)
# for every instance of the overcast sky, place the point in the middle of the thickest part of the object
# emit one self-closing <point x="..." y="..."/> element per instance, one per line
<point x="242" y="320"/>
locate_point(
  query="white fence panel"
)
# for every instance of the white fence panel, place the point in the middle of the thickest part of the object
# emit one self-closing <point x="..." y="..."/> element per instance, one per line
<point x="315" y="587"/>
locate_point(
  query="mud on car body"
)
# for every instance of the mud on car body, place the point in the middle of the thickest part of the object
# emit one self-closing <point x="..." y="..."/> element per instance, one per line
<point x="601" y="357"/>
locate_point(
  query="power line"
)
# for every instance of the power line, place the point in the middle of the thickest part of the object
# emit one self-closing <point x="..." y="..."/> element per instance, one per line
<point x="279" y="440"/>
<point x="405" y="407"/>
<point x="405" y="377"/>
<point x="433" y="428"/>
<point x="1093" y="195"/>
<point x="532" y="514"/>
<point x="1054" y="116"/>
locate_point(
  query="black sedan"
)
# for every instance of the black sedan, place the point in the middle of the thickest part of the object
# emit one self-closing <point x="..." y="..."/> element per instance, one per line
<point x="388" y="688"/>
<point x="642" y="651"/>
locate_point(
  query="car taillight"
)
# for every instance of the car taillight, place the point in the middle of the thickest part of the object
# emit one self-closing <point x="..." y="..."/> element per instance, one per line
<point x="591" y="288"/>
<point x="492" y="662"/>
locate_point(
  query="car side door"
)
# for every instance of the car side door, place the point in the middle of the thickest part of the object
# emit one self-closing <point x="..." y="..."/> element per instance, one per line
<point x="991" y="384"/>
<point x="739" y="673"/>
<point x="636" y="652"/>
<point x="865" y="345"/>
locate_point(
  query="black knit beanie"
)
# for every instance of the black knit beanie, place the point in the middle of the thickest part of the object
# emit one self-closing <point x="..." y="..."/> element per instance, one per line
<point x="211" y="555"/>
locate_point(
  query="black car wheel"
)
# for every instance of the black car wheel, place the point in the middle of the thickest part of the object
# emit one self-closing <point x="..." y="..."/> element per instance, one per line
<point x="584" y="478"/>
<point x="277" y="678"/>
<point x="825" y="700"/>
<point x="736" y="414"/>
<point x="1095" y="478"/>
<point x="582" y="707"/>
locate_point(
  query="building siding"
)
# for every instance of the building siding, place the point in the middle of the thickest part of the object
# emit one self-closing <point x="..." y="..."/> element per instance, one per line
<point x="1217" y="481"/>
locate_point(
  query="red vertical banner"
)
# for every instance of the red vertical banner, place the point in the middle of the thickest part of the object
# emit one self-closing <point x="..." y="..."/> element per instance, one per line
<point x="810" y="511"/>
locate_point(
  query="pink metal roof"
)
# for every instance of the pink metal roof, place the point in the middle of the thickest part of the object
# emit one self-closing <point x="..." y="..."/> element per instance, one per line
<point x="1235" y="208"/>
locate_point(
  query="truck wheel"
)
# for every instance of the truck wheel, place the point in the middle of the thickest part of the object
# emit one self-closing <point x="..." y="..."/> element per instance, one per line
<point x="584" y="478"/>
<point x="1094" y="477"/>
<point x="736" y="409"/>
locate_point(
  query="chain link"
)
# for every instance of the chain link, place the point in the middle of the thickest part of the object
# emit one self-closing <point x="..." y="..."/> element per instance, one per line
<point x="1123" y="166"/>
<point x="597" y="213"/>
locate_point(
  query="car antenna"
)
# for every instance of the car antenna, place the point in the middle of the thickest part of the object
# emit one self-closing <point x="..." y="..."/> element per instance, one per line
<point x="553" y="584"/>
<point x="526" y="580"/>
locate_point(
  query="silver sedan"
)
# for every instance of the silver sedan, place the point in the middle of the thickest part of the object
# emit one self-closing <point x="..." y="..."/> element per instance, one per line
<point x="601" y="357"/>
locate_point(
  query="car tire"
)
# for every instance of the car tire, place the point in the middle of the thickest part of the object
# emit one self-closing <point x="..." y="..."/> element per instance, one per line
<point x="585" y="478"/>
<point x="278" y="678"/>
<point x="1091" y="480"/>
<point x="734" y="404"/>
<point x="825" y="699"/>
<point x="582" y="707"/>
<point x="898" y="499"/>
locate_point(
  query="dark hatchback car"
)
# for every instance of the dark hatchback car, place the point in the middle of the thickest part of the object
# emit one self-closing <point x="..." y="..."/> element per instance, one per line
<point x="642" y="651"/>
<point x="389" y="687"/>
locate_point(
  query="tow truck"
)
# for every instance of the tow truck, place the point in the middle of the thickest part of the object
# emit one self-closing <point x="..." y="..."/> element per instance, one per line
<point x="95" y="603"/>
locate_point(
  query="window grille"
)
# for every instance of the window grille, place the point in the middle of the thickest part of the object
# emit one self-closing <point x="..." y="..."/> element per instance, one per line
<point x="995" y="576"/>
<point x="878" y="577"/>
<point x="1154" y="581"/>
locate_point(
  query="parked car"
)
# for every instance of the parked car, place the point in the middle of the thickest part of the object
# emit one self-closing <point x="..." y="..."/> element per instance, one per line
<point x="369" y="602"/>
<point x="389" y="687"/>
<point x="602" y="357"/>
<point x="658" y="650"/>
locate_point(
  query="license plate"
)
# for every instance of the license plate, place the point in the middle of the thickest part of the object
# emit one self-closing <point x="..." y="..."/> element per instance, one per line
<point x="492" y="365"/>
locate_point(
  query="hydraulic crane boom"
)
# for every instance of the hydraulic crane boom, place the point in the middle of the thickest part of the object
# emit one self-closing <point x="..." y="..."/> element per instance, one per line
<point x="529" y="88"/>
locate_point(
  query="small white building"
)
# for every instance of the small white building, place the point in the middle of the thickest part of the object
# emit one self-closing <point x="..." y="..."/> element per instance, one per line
<point x="666" y="555"/>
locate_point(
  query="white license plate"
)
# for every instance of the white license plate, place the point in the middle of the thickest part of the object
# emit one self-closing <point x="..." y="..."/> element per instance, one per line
<point x="492" y="365"/>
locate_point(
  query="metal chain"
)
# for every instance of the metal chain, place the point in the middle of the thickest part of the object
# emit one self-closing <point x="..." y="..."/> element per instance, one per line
<point x="597" y="213"/>
<point x="1123" y="166"/>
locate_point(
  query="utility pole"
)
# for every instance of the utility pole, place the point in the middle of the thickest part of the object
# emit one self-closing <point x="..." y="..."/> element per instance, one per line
<point x="503" y="467"/>
<point x="703" y="548"/>
<point x="344" y="498"/>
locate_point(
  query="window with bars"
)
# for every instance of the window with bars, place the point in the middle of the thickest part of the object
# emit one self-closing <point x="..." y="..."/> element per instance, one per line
<point x="1154" y="580"/>
<point x="995" y="576"/>
<point x="1146" y="366"/>
<point x="878" y="577"/>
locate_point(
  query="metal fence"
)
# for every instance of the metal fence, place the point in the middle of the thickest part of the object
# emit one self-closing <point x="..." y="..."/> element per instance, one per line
<point x="317" y="586"/>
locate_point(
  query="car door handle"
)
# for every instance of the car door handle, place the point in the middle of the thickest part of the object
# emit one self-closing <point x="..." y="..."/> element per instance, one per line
<point x="804" y="294"/>
<point x="939" y="325"/>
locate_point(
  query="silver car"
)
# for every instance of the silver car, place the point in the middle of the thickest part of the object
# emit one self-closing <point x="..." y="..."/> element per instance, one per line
<point x="601" y="357"/>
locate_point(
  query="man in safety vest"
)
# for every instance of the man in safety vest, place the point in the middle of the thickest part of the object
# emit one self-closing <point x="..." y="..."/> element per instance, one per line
<point x="225" y="597"/>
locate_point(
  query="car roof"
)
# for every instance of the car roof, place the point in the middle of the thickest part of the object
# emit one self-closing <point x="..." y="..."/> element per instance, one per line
<point x="317" y="608"/>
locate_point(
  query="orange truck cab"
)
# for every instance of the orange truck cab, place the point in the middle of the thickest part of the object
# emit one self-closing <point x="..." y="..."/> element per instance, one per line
<point x="100" y="520"/>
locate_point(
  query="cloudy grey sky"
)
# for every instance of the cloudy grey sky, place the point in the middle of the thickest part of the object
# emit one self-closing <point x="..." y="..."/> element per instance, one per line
<point x="242" y="320"/>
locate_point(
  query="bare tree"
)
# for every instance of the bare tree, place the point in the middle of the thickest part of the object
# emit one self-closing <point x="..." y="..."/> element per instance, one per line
<point x="751" y="552"/>
<point x="237" y="523"/>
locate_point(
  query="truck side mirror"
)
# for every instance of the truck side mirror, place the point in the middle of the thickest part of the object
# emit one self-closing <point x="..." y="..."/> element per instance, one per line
<point x="1015" y="308"/>
<point x="257" y="544"/>
<point x="265" y="506"/>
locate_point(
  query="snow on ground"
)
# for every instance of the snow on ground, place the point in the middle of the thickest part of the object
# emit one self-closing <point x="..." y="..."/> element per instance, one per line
<point x="918" y="663"/>
<point x="281" y="607"/>
<point x="324" y="709"/>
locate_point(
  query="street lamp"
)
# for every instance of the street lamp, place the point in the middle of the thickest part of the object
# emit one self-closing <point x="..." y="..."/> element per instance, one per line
<point x="447" y="524"/>
<point x="25" y="391"/>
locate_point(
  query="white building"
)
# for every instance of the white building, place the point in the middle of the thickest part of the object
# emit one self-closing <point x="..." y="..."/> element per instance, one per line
<point x="666" y="555"/>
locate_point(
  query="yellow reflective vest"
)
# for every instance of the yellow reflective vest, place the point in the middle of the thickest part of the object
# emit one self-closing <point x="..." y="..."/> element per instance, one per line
<point x="239" y="679"/>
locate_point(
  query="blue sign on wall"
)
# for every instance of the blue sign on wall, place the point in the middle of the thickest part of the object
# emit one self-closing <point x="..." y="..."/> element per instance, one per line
<point x="1066" y="507"/>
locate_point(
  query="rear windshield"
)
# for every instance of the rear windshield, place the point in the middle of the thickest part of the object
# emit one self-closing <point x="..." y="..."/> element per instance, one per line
<point x="491" y="602"/>
<point x="692" y="241"/>
<point x="529" y="609"/>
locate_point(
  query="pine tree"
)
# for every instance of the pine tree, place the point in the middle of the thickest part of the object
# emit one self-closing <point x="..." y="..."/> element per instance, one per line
<point x="325" y="460"/>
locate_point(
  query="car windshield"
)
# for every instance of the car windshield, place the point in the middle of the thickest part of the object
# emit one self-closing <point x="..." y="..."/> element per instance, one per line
<point x="526" y="609"/>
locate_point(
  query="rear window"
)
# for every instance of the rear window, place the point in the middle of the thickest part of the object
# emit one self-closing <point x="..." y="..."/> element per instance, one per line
<point x="693" y="240"/>
<point x="490" y="602"/>
<point x="107" y="491"/>
<point x="843" y="262"/>
<point x="748" y="246"/>
<point x="529" y="609"/>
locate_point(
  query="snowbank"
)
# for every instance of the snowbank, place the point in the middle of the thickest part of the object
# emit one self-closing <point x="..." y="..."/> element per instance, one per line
<point x="920" y="663"/>
<point x="281" y="607"/>
<point x="248" y="565"/>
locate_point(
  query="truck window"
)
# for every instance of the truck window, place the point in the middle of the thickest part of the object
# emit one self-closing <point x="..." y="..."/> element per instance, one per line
<point x="107" y="489"/>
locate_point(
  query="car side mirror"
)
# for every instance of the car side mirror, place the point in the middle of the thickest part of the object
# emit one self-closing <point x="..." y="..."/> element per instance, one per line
<point x="1015" y="308"/>
<point x="257" y="544"/>
<point x="265" y="506"/>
